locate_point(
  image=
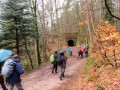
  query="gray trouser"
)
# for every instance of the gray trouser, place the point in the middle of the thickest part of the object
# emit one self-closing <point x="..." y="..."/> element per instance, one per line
<point x="18" y="85"/>
<point x="62" y="72"/>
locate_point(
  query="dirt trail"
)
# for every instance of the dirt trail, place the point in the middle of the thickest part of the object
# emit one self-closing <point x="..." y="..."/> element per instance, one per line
<point x="43" y="79"/>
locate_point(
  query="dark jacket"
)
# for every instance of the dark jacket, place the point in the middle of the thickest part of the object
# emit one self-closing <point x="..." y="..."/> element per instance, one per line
<point x="55" y="59"/>
<point x="62" y="61"/>
<point x="18" y="70"/>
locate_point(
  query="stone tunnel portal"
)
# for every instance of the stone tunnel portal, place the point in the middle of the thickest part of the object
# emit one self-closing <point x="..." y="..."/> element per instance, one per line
<point x="71" y="42"/>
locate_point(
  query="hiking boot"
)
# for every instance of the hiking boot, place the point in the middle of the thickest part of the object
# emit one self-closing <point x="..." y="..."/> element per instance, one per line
<point x="60" y="78"/>
<point x="63" y="76"/>
<point x="52" y="71"/>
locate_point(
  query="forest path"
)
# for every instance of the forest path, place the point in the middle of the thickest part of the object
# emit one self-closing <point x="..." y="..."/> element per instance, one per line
<point x="43" y="79"/>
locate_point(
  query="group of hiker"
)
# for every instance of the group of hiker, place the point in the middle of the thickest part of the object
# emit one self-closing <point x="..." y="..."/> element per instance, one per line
<point x="59" y="59"/>
<point x="83" y="50"/>
<point x="11" y="68"/>
<point x="10" y="71"/>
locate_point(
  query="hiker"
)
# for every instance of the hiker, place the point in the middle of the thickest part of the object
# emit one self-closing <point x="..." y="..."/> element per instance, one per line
<point x="86" y="49"/>
<point x="55" y="62"/>
<point x="15" y="79"/>
<point x="70" y="51"/>
<point x="80" y="52"/>
<point x="86" y="52"/>
<point x="2" y="79"/>
<point x="62" y="63"/>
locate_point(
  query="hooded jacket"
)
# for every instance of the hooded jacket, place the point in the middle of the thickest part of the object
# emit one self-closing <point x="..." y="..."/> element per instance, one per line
<point x="18" y="70"/>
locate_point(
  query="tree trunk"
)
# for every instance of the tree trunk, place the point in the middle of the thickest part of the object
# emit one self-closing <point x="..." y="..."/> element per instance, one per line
<point x="37" y="36"/>
<point x="30" y="59"/>
<point x="88" y="24"/>
<point x="44" y="27"/>
<point x="17" y="38"/>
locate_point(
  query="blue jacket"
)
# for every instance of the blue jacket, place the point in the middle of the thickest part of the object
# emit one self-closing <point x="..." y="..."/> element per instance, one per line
<point x="18" y="70"/>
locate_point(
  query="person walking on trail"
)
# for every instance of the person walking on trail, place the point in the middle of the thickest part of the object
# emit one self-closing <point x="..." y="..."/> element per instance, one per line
<point x="86" y="52"/>
<point x="80" y="52"/>
<point x="14" y="79"/>
<point x="70" y="51"/>
<point x="86" y="49"/>
<point x="55" y="62"/>
<point x="62" y="63"/>
<point x="2" y="79"/>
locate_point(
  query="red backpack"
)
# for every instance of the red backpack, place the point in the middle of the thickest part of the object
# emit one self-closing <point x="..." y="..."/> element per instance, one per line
<point x="81" y="49"/>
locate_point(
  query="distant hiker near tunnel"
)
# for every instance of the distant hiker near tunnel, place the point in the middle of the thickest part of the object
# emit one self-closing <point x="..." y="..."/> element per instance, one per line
<point x="70" y="51"/>
<point x="86" y="49"/>
<point x="80" y="52"/>
<point x="83" y="50"/>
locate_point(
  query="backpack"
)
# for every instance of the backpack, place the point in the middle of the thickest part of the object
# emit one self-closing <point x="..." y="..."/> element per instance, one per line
<point x="52" y="58"/>
<point x="81" y="49"/>
<point x="86" y="49"/>
<point x="62" y="60"/>
<point x="8" y="68"/>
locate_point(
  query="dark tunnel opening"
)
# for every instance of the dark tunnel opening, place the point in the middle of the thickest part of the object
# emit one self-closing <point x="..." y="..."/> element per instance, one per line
<point x="70" y="42"/>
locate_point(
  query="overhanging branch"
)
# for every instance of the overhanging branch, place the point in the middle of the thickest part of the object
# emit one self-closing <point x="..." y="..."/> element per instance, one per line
<point x="110" y="11"/>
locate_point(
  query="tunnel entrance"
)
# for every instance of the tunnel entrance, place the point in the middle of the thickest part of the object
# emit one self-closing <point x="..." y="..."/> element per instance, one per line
<point x="70" y="42"/>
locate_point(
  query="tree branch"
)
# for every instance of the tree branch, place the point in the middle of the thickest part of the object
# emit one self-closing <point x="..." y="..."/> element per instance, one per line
<point x="110" y="11"/>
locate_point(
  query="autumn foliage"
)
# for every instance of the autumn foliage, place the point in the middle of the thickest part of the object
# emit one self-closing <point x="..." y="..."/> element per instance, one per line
<point x="107" y="44"/>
